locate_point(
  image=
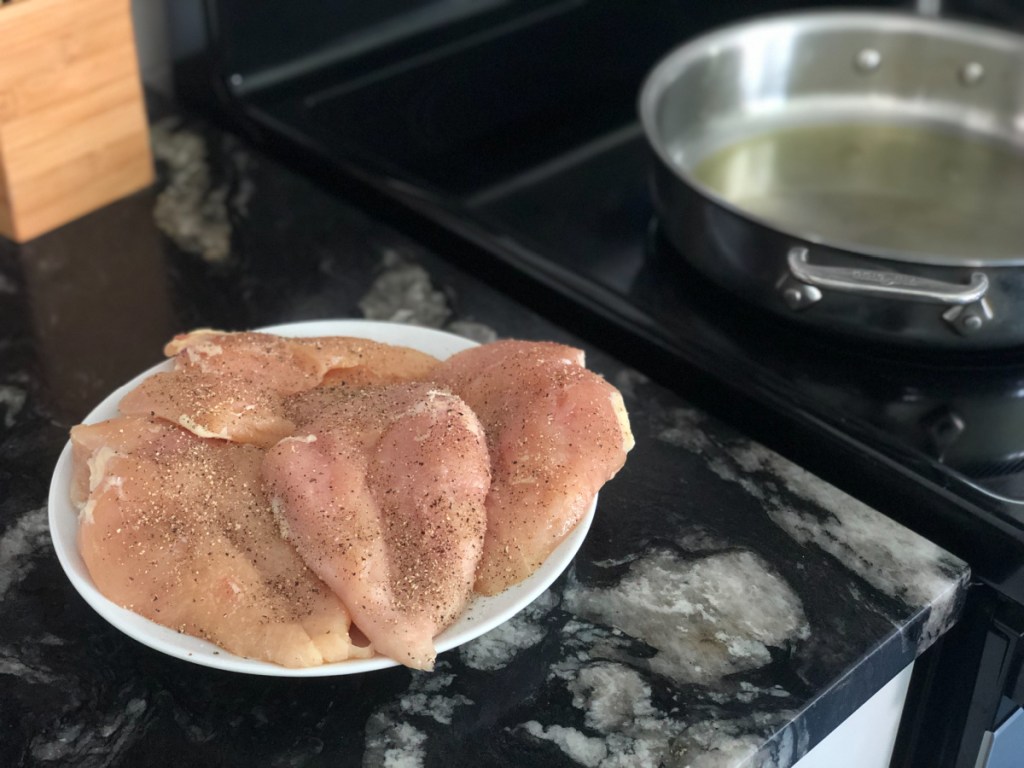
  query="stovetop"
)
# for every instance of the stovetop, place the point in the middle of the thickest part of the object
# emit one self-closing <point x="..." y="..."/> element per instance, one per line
<point x="517" y="151"/>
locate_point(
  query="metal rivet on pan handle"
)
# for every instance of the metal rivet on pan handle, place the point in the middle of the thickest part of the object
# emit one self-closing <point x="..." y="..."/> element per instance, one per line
<point x="971" y="73"/>
<point x="968" y="319"/>
<point x="799" y="295"/>
<point x="867" y="60"/>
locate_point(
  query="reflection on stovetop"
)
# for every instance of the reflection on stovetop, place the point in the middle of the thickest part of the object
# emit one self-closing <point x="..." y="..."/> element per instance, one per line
<point x="591" y="213"/>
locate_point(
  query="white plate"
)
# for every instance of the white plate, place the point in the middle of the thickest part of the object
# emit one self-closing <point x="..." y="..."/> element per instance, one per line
<point x="482" y="615"/>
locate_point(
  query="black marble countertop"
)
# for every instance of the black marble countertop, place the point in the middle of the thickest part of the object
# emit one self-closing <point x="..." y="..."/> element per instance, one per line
<point x="726" y="609"/>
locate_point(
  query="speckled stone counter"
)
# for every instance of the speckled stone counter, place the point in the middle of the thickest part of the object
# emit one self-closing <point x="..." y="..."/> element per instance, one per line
<point x="726" y="609"/>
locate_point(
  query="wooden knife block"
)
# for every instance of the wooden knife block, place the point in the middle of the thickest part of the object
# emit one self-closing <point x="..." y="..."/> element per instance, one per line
<point x="73" y="129"/>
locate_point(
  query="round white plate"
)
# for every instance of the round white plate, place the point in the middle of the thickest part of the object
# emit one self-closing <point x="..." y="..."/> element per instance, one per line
<point x="482" y="615"/>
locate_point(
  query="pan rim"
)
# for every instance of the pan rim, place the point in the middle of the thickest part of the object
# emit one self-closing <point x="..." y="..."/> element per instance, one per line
<point x="676" y="61"/>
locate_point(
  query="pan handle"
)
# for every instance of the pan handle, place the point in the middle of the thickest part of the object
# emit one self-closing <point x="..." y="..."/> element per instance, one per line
<point x="893" y="285"/>
<point x="968" y="311"/>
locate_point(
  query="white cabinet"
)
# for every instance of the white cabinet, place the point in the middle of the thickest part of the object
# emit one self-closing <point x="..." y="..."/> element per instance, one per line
<point x="866" y="738"/>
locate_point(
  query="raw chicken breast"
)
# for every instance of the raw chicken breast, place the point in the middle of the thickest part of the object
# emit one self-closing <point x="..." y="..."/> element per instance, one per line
<point x="295" y="364"/>
<point x="177" y="529"/>
<point x="556" y="433"/>
<point x="225" y="406"/>
<point x="231" y="385"/>
<point x="282" y="364"/>
<point x="386" y="363"/>
<point x="382" y="493"/>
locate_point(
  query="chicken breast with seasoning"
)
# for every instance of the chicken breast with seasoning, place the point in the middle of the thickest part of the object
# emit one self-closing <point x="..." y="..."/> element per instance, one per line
<point x="382" y="490"/>
<point x="556" y="433"/>
<point x="231" y="385"/>
<point x="178" y="529"/>
<point x="296" y="364"/>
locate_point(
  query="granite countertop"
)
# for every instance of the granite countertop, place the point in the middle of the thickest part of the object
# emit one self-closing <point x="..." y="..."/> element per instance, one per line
<point x="726" y="609"/>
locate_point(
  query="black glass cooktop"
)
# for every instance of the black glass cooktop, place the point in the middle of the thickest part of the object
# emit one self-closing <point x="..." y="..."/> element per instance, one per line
<point x="517" y="151"/>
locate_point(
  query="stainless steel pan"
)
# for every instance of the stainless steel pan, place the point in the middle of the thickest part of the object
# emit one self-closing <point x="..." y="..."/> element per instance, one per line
<point x="861" y="172"/>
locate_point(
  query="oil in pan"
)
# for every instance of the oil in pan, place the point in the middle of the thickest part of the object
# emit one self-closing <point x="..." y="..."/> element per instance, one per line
<point x="913" y="188"/>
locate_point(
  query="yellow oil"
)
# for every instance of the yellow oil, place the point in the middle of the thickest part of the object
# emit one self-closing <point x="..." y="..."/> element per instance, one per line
<point x="912" y="189"/>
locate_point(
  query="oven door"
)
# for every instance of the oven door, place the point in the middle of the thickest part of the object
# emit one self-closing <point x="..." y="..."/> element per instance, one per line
<point x="965" y="707"/>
